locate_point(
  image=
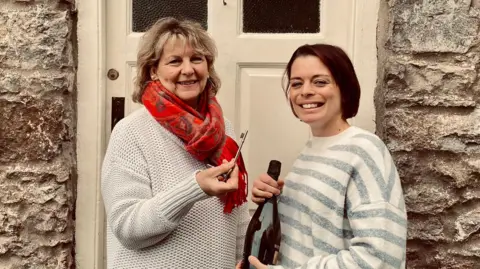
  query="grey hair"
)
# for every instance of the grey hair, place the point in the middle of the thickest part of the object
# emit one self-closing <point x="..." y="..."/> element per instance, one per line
<point x="152" y="44"/>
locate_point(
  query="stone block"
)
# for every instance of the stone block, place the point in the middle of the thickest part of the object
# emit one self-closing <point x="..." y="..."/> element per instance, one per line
<point x="429" y="84"/>
<point x="36" y="215"/>
<point x="437" y="256"/>
<point x="468" y="224"/>
<point x="20" y="192"/>
<point x="35" y="83"/>
<point x="433" y="26"/>
<point x="58" y="257"/>
<point x="469" y="248"/>
<point x="10" y="225"/>
<point x="458" y="170"/>
<point x="469" y="193"/>
<point x="432" y="129"/>
<point x="33" y="129"/>
<point x="36" y="38"/>
<point x="429" y="197"/>
<point x="426" y="228"/>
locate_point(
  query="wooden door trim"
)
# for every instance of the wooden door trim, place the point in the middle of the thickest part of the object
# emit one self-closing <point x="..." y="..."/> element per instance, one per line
<point x="364" y="59"/>
<point x="91" y="77"/>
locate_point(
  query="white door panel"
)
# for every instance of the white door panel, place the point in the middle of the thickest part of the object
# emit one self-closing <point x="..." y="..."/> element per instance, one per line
<point x="274" y="133"/>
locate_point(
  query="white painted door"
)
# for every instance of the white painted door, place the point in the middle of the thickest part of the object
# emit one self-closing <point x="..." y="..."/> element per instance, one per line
<point x="250" y="63"/>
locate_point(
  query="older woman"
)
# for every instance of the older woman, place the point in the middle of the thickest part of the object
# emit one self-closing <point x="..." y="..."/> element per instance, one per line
<point x="341" y="205"/>
<point x="166" y="204"/>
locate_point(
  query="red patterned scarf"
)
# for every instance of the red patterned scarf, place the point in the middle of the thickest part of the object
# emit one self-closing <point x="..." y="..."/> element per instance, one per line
<point x="202" y="131"/>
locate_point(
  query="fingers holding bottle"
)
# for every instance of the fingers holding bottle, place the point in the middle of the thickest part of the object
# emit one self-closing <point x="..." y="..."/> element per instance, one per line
<point x="265" y="187"/>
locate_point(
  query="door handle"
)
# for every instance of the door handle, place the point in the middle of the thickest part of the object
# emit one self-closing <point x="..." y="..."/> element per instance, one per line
<point x="118" y="110"/>
<point x="112" y="74"/>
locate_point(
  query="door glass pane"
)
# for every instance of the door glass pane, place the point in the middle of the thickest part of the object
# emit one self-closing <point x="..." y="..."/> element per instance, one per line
<point x="147" y="12"/>
<point x="281" y="16"/>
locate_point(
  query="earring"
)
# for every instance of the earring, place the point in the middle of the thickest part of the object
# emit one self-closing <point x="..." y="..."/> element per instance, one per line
<point x="154" y="77"/>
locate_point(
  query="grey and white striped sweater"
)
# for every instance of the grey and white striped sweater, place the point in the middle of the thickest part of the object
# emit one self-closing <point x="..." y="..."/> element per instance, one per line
<point x="342" y="206"/>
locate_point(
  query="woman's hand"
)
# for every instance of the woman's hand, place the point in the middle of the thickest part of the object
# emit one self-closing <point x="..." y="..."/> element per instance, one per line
<point x="211" y="183"/>
<point x="265" y="187"/>
<point x="256" y="263"/>
<point x="253" y="262"/>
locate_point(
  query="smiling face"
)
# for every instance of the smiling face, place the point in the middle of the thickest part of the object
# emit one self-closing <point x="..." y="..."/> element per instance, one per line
<point x="182" y="70"/>
<point x="315" y="96"/>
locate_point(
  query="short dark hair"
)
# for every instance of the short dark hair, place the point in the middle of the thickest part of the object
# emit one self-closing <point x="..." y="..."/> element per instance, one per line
<point x="341" y="68"/>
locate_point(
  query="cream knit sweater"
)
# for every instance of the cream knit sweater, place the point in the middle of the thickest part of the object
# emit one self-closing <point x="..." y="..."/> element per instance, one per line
<point x="157" y="215"/>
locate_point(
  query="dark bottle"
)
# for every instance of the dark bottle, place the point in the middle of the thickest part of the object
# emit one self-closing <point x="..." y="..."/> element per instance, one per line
<point x="263" y="233"/>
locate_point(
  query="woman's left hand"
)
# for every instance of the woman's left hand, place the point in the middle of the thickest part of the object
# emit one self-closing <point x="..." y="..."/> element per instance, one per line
<point x="254" y="262"/>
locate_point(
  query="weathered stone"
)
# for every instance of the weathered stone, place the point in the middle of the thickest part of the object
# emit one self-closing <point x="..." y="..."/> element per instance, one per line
<point x="467" y="224"/>
<point x="59" y="257"/>
<point x="37" y="124"/>
<point x="433" y="26"/>
<point x="30" y="176"/>
<point x="46" y="220"/>
<point x="429" y="197"/>
<point x="428" y="113"/>
<point x="470" y="248"/>
<point x="460" y="172"/>
<point x="421" y="256"/>
<point x="16" y="192"/>
<point x="471" y="194"/>
<point x="35" y="38"/>
<point x="408" y="130"/>
<point x="448" y="261"/>
<point x="9" y="224"/>
<point x="430" y="229"/>
<point x="464" y="172"/>
<point x="476" y="3"/>
<point x="36" y="83"/>
<point x="418" y="83"/>
<point x="426" y="256"/>
<point x="36" y="233"/>
<point x="32" y="130"/>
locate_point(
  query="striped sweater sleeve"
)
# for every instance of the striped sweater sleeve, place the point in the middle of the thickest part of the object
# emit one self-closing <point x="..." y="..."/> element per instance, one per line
<point x="375" y="212"/>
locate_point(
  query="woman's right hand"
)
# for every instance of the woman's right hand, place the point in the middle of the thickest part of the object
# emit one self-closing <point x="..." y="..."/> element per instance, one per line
<point x="210" y="182"/>
<point x="265" y="187"/>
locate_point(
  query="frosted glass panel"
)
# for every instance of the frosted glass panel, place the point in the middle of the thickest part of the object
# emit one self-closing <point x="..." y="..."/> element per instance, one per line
<point x="147" y="12"/>
<point x="281" y="16"/>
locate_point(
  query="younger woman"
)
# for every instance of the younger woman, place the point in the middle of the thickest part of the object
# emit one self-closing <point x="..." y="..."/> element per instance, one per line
<point x="342" y="204"/>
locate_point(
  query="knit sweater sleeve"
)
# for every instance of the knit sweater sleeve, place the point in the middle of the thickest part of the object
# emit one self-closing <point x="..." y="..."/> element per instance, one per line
<point x="137" y="218"/>
<point x="375" y="212"/>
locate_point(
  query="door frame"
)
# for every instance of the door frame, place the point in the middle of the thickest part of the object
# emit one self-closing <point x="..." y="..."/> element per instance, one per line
<point x="91" y="92"/>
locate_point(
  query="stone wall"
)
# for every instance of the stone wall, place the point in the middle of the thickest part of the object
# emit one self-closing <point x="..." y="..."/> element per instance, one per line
<point x="428" y="112"/>
<point x="37" y="128"/>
